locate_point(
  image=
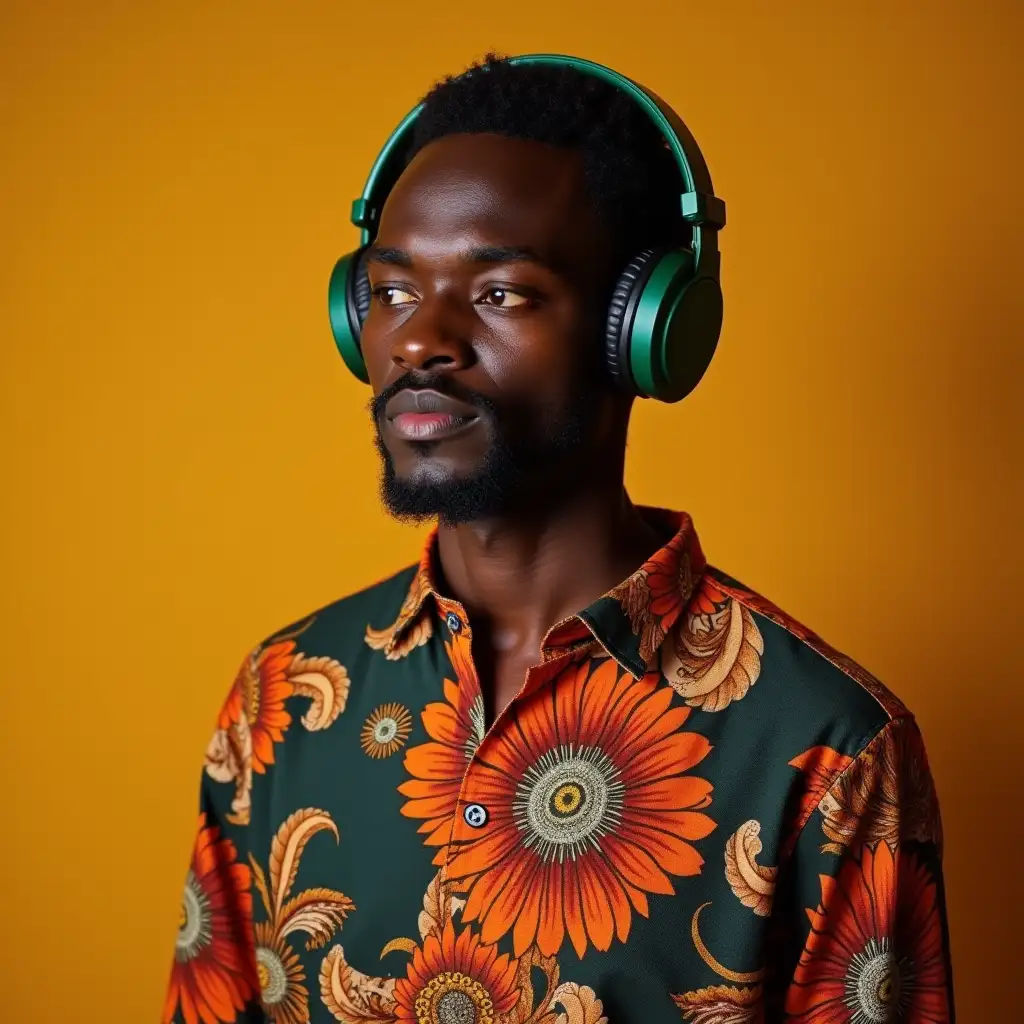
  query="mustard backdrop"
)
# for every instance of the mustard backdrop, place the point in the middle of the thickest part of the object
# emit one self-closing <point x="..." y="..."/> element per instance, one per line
<point x="186" y="466"/>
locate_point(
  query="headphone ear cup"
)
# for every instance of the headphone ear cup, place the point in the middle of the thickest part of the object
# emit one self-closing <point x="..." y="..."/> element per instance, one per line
<point x="619" y="322"/>
<point x="686" y="343"/>
<point x="344" y="296"/>
<point x="362" y="294"/>
<point x="663" y="324"/>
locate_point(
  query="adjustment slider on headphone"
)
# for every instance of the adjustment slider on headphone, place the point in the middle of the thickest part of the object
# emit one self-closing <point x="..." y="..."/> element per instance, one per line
<point x="703" y="209"/>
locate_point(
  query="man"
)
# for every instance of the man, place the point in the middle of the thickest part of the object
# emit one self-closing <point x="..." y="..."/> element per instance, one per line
<point x="563" y="770"/>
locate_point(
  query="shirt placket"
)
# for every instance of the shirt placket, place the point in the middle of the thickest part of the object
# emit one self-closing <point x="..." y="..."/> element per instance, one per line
<point x="471" y="812"/>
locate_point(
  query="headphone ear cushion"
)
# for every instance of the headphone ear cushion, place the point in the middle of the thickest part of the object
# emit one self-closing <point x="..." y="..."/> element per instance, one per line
<point x="621" y="308"/>
<point x="346" y="321"/>
<point x="362" y="294"/>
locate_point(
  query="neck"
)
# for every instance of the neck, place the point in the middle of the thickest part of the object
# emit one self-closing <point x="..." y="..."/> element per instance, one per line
<point x="519" y="577"/>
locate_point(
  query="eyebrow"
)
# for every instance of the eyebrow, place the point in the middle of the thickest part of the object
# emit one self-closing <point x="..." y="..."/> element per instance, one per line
<point x="385" y="254"/>
<point x="478" y="254"/>
<point x="503" y="254"/>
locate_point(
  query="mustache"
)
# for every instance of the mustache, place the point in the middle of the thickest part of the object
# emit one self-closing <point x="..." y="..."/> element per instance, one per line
<point x="442" y="383"/>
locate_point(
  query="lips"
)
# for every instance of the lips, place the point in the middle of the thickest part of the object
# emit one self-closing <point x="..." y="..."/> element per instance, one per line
<point x="416" y="415"/>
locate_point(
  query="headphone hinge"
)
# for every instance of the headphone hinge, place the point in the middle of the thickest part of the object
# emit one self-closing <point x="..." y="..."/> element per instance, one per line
<point x="363" y="214"/>
<point x="703" y="209"/>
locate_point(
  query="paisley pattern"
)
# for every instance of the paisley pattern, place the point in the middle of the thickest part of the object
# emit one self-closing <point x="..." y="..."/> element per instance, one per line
<point x="713" y="656"/>
<point x="316" y="912"/>
<point x="753" y="884"/>
<point x="722" y="1004"/>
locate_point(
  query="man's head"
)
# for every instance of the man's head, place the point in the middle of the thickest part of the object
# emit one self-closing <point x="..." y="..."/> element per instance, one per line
<point x="527" y="189"/>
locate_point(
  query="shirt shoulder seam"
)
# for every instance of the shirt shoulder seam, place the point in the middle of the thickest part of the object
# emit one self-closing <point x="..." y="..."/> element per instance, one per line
<point x="894" y="712"/>
<point x="270" y="638"/>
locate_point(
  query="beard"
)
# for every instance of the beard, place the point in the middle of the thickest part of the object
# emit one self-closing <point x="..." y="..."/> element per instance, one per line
<point x="534" y="453"/>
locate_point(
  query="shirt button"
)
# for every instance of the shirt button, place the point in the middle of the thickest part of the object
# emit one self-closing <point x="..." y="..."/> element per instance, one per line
<point x="454" y="623"/>
<point x="475" y="815"/>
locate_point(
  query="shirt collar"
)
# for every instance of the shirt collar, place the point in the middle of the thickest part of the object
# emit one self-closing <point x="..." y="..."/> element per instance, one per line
<point x="630" y="622"/>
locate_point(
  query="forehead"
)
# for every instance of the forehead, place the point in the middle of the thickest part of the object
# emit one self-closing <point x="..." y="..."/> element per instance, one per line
<point x="474" y="187"/>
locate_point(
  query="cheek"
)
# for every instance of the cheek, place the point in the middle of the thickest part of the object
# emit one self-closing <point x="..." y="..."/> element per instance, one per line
<point x="377" y="358"/>
<point x="545" y="356"/>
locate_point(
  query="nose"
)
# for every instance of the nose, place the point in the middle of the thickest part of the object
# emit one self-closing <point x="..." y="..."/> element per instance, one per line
<point x="435" y="337"/>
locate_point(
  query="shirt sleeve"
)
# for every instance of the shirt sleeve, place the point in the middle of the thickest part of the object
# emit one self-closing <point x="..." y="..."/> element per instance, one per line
<point x="866" y="900"/>
<point x="214" y="977"/>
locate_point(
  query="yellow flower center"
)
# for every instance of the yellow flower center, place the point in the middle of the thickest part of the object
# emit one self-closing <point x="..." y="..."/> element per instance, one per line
<point x="195" y="920"/>
<point x="264" y="974"/>
<point x="454" y="998"/>
<point x="886" y="989"/>
<point x="879" y="982"/>
<point x="568" y="798"/>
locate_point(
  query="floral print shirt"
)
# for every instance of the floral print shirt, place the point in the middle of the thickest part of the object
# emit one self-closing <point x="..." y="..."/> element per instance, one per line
<point x="694" y="810"/>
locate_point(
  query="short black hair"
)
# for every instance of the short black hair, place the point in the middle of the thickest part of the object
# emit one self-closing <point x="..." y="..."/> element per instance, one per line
<point x="629" y="170"/>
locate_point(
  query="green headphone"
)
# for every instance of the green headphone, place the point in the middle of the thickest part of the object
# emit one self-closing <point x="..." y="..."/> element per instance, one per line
<point x="665" y="313"/>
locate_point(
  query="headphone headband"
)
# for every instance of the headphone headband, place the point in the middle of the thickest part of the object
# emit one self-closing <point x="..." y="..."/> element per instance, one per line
<point x="698" y="204"/>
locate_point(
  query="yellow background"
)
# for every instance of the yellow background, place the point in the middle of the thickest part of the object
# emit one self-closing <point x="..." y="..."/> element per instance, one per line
<point x="186" y="465"/>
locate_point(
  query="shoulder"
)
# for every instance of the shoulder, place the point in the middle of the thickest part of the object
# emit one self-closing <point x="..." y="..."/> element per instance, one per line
<point x="296" y="681"/>
<point x="346" y="626"/>
<point x="318" y="655"/>
<point x="810" y="679"/>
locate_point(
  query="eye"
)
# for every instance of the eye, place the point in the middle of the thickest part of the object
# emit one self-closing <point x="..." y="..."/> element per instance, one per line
<point x="389" y="295"/>
<point x="504" y="298"/>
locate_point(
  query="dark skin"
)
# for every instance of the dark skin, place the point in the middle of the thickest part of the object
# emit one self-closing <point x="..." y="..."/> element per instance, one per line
<point x="520" y="324"/>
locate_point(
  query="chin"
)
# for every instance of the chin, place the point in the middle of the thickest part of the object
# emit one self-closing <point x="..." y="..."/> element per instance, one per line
<point x="431" y="464"/>
<point x="434" y="491"/>
<point x="427" y="473"/>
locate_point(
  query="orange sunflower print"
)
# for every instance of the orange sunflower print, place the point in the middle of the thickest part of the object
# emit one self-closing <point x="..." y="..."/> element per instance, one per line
<point x="589" y="810"/>
<point x="657" y="594"/>
<point x="456" y="729"/>
<point x="255" y="716"/>
<point x="261" y="688"/>
<point x="214" y="972"/>
<point x="874" y="952"/>
<point x="385" y="731"/>
<point x="456" y="979"/>
<point x="282" y="992"/>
